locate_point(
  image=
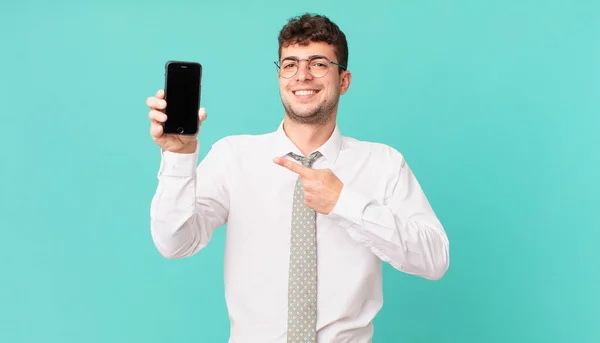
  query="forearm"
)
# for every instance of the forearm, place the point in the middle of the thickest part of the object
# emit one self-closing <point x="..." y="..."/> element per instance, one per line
<point x="174" y="230"/>
<point x="184" y="211"/>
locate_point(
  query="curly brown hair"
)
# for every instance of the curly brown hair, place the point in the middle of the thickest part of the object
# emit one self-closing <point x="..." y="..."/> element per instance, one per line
<point x="309" y="28"/>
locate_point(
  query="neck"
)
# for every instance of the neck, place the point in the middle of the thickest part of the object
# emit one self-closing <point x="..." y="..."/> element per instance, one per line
<point x="308" y="137"/>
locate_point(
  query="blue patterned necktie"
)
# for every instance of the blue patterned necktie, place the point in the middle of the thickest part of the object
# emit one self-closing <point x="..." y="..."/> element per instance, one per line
<point x="302" y="283"/>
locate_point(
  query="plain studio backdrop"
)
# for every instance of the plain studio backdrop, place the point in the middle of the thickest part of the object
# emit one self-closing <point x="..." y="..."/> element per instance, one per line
<point x="495" y="105"/>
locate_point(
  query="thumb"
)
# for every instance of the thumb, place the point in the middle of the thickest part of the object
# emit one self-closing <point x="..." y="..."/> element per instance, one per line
<point x="202" y="115"/>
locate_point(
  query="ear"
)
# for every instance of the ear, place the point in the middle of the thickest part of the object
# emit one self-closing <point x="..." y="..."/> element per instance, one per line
<point x="345" y="80"/>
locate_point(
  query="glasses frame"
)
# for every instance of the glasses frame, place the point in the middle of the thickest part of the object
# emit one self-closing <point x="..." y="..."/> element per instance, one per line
<point x="298" y="60"/>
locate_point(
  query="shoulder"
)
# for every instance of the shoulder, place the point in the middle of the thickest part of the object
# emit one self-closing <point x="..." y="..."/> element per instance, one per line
<point x="241" y="143"/>
<point x="379" y="153"/>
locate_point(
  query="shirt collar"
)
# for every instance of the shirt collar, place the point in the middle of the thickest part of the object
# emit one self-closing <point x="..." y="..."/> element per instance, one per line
<point x="281" y="144"/>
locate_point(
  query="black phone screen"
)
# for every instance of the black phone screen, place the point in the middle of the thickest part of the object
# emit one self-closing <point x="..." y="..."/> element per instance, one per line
<point x="182" y="94"/>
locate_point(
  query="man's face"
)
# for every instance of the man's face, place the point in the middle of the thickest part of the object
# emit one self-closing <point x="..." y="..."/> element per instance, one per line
<point x="308" y="99"/>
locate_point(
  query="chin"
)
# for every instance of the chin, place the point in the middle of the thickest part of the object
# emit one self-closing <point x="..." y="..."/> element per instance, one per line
<point x="303" y="109"/>
<point x="312" y="117"/>
<point x="312" y="113"/>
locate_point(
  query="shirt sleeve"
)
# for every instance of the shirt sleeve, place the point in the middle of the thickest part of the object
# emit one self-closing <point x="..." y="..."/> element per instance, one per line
<point x="402" y="231"/>
<point x="190" y="202"/>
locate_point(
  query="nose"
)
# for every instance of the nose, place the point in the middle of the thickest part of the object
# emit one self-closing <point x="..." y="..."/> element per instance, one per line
<point x="303" y="73"/>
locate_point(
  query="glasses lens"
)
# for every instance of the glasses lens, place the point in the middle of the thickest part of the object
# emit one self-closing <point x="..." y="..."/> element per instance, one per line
<point x="288" y="68"/>
<point x="319" y="67"/>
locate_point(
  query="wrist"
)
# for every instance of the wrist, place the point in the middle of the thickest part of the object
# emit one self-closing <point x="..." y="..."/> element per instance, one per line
<point x="186" y="149"/>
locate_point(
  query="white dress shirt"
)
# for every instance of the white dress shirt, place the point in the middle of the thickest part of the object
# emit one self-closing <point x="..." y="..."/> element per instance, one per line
<point x="382" y="215"/>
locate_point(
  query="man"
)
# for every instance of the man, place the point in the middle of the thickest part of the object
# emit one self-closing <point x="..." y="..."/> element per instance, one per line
<point x="311" y="214"/>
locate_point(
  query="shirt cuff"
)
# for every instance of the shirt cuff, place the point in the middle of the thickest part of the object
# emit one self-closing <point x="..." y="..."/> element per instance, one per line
<point x="178" y="164"/>
<point x="349" y="208"/>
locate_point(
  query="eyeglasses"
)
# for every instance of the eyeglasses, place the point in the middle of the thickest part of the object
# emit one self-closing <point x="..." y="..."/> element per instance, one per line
<point x="318" y="66"/>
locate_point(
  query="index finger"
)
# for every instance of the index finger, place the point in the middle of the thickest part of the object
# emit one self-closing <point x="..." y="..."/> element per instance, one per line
<point x="155" y="103"/>
<point x="295" y="167"/>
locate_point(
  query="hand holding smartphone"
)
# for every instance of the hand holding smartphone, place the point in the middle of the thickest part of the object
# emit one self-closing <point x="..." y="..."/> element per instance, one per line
<point x="182" y="94"/>
<point x="175" y="113"/>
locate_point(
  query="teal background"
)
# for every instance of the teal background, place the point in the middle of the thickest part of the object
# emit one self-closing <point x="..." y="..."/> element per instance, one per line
<point x="496" y="106"/>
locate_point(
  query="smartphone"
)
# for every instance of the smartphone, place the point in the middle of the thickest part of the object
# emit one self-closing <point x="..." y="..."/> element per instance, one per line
<point x="182" y="94"/>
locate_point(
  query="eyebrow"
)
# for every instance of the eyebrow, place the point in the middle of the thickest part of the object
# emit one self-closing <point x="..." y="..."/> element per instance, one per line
<point x="297" y="58"/>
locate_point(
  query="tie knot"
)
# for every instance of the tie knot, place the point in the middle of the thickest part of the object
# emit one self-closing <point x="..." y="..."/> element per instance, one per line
<point x="306" y="161"/>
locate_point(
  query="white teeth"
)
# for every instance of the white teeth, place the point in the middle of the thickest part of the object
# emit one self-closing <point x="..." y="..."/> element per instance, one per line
<point x="305" y="92"/>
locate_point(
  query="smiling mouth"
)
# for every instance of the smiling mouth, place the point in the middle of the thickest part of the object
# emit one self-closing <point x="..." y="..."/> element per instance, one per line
<point x="305" y="92"/>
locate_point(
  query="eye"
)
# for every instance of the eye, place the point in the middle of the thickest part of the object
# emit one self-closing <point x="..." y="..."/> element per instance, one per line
<point x="319" y="63"/>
